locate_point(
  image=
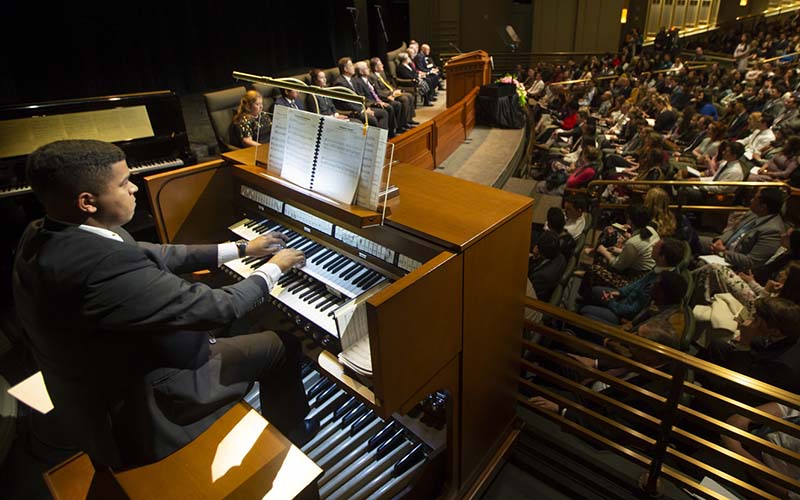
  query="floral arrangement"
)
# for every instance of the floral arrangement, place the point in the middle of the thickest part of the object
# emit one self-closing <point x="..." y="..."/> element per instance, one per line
<point x="522" y="95"/>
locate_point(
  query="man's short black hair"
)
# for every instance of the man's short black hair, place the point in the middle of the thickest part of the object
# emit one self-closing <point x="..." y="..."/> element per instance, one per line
<point x="736" y="149"/>
<point x="673" y="287"/>
<point x="548" y="245"/>
<point x="64" y="169"/>
<point x="672" y="251"/>
<point x="772" y="198"/>
<point x="578" y="201"/>
<point x="556" y="219"/>
<point x="767" y="119"/>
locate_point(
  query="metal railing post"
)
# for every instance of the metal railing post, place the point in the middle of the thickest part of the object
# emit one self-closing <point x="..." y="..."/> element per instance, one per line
<point x="649" y="481"/>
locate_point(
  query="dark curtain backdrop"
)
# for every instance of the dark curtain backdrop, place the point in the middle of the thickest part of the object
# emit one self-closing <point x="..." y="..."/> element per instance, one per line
<point x="73" y="50"/>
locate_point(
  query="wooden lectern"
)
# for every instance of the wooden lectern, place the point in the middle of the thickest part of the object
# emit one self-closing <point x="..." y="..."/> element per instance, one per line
<point x="465" y="72"/>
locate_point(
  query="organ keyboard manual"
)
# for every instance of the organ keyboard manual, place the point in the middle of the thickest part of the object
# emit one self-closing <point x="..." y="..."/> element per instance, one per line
<point x="336" y="158"/>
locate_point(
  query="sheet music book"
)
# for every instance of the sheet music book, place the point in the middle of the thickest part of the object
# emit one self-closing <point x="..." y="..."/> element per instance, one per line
<point x="327" y="155"/>
<point x="351" y="322"/>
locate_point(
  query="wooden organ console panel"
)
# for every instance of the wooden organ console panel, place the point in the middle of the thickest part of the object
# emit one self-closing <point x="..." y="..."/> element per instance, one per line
<point x="444" y="331"/>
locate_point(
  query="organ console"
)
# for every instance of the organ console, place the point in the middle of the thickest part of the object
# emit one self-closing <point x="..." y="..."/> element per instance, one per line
<point x="444" y="326"/>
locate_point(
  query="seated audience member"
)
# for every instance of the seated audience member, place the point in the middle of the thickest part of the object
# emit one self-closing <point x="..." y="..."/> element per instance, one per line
<point x="547" y="265"/>
<point x="323" y="104"/>
<point x="657" y="202"/>
<point x="393" y="108"/>
<point x="388" y="93"/>
<point x="289" y="99"/>
<point x="767" y="349"/>
<point x="738" y="127"/>
<point x="748" y="244"/>
<point x="630" y="259"/>
<point x="784" y="282"/>
<point x="613" y="305"/>
<point x="556" y="222"/>
<point x="776" y="437"/>
<point x="781" y="166"/>
<point x="666" y="117"/>
<point x="707" y="149"/>
<point x="769" y="151"/>
<point x="575" y="176"/>
<point x="657" y="331"/>
<point x="761" y="135"/>
<point x="124" y="343"/>
<point x="347" y="79"/>
<point x="575" y="208"/>
<point x="251" y="124"/>
<point x="407" y="72"/>
<point x="729" y="170"/>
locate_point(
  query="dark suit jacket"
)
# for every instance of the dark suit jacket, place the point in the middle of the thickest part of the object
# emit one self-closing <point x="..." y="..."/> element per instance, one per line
<point x="282" y="101"/>
<point x="738" y="127"/>
<point x="759" y="243"/>
<point x="122" y="340"/>
<point x="545" y="275"/>
<point x="406" y="72"/>
<point x="423" y="62"/>
<point x="326" y="106"/>
<point x="382" y="90"/>
<point x="341" y="81"/>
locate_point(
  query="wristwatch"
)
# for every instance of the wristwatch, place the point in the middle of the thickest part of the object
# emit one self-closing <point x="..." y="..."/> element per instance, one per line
<point x="241" y="245"/>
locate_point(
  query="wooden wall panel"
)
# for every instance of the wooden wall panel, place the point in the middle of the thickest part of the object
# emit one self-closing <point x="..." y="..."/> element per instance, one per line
<point x="417" y="318"/>
<point x="495" y="270"/>
<point x="469" y="113"/>
<point x="449" y="131"/>
<point x="416" y="146"/>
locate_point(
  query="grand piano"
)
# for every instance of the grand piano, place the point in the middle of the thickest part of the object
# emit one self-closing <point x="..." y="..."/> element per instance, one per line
<point x="148" y="126"/>
<point x="444" y="328"/>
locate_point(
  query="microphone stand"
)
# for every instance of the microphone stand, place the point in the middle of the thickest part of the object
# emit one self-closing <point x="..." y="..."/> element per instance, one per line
<point x="383" y="28"/>
<point x="354" y="14"/>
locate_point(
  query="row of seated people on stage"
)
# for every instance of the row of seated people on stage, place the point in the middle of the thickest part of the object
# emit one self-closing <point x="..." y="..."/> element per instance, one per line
<point x="388" y="106"/>
<point x="646" y="274"/>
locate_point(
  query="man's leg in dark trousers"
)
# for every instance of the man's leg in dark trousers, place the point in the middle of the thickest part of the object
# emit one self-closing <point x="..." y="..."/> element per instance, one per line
<point x="273" y="359"/>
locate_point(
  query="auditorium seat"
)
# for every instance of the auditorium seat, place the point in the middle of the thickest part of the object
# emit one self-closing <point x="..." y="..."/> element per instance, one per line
<point x="221" y="106"/>
<point x="239" y="456"/>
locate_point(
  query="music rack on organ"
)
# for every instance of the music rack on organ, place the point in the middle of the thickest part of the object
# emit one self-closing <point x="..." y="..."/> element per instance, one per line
<point x="444" y="329"/>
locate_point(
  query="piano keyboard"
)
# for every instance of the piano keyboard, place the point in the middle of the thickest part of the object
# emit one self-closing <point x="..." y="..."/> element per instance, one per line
<point x="363" y="456"/>
<point x="137" y="169"/>
<point x="309" y="295"/>
<point x="149" y="166"/>
<point x="348" y="277"/>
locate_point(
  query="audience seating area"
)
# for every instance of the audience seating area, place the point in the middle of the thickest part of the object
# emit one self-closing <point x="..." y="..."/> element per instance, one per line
<point x="669" y="334"/>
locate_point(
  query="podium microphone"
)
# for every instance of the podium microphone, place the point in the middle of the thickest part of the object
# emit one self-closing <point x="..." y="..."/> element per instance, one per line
<point x="454" y="46"/>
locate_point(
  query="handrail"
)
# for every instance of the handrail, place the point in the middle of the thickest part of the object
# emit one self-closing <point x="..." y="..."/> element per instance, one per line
<point x="658" y="445"/>
<point x="595" y="187"/>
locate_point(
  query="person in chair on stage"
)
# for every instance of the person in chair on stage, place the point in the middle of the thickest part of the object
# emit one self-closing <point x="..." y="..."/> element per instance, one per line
<point x="289" y="99"/>
<point x="251" y="124"/>
<point x="376" y="117"/>
<point x="388" y="93"/>
<point x="130" y="351"/>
